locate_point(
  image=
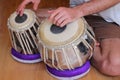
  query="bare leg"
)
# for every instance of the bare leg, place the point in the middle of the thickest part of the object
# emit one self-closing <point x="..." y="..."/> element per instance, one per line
<point x="106" y="57"/>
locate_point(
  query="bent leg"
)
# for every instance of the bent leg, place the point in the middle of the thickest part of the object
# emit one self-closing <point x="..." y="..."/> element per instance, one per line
<point x="106" y="57"/>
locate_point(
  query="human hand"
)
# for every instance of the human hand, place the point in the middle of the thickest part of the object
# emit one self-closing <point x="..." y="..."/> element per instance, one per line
<point x="22" y="6"/>
<point x="63" y="16"/>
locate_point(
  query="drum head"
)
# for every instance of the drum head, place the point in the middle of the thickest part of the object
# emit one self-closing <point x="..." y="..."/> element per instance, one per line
<point x="17" y="22"/>
<point x="54" y="36"/>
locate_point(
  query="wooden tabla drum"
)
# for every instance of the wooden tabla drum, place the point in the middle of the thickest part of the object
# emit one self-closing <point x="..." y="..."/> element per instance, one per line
<point x="66" y="51"/>
<point x="23" y="30"/>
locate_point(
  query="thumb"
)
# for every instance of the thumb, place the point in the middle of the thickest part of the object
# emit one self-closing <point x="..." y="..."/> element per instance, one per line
<point x="35" y="6"/>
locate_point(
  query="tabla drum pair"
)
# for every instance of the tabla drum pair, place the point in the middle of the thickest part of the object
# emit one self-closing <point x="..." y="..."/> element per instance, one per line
<point x="66" y="50"/>
<point x="23" y="30"/>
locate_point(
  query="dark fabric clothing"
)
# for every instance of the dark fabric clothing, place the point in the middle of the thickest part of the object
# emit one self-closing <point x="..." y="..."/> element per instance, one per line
<point x="103" y="29"/>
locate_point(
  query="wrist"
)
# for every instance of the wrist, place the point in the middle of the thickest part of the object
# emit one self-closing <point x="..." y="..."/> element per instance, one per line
<point x="79" y="12"/>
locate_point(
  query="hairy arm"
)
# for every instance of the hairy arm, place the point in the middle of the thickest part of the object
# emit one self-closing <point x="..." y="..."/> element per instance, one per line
<point x="94" y="6"/>
<point x="63" y="15"/>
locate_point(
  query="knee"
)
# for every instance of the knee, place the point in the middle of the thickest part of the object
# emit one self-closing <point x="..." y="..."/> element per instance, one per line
<point x="110" y="66"/>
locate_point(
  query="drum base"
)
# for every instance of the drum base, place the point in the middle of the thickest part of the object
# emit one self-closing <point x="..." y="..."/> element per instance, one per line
<point x="69" y="74"/>
<point x="31" y="58"/>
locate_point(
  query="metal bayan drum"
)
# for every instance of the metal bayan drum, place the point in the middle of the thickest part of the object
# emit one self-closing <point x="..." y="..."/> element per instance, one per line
<point x="23" y="30"/>
<point x="67" y="50"/>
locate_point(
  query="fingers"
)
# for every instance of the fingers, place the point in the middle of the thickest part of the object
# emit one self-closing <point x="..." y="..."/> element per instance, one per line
<point x="66" y="21"/>
<point x="21" y="7"/>
<point x="60" y="17"/>
<point x="61" y="20"/>
<point x="35" y="6"/>
<point x="20" y="10"/>
<point x="53" y="14"/>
